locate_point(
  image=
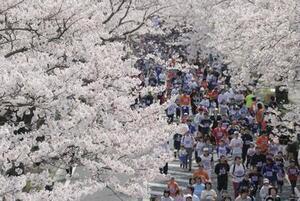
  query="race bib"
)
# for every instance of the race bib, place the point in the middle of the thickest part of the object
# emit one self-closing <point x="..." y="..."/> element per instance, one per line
<point x="293" y="171"/>
<point x="222" y="171"/>
<point x="254" y="178"/>
<point x="206" y="164"/>
<point x="259" y="164"/>
<point x="222" y="151"/>
<point x="280" y="176"/>
<point x="239" y="173"/>
<point x="172" y="190"/>
<point x="269" y="174"/>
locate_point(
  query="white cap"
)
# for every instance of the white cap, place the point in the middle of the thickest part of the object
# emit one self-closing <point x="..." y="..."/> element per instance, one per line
<point x="188" y="196"/>
<point x="205" y="149"/>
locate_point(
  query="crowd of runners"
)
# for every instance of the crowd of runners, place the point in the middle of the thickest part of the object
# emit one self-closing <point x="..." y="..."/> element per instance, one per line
<point x="228" y="134"/>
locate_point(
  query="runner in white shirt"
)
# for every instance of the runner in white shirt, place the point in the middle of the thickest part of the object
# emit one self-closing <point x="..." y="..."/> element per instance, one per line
<point x="174" y="92"/>
<point x="207" y="161"/>
<point x="205" y="102"/>
<point x="198" y="118"/>
<point x="237" y="172"/>
<point x="171" y="111"/>
<point x="188" y="142"/>
<point x="221" y="98"/>
<point x="239" y="97"/>
<point x="273" y="148"/>
<point x="199" y="149"/>
<point x="236" y="145"/>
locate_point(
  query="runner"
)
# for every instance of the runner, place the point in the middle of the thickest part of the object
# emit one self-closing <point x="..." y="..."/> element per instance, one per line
<point x="222" y="170"/>
<point x="237" y="172"/>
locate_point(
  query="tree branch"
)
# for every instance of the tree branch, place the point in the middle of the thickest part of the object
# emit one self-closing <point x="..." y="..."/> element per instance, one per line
<point x="251" y="2"/>
<point x="50" y="16"/>
<point x="23" y="49"/>
<point x="10" y="7"/>
<point x="111" y="6"/>
<point x="57" y="66"/>
<point x="121" y="21"/>
<point x="113" y="13"/>
<point x="65" y="29"/>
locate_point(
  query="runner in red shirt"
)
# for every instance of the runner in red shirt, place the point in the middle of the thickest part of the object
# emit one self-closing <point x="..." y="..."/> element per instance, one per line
<point x="262" y="143"/>
<point x="173" y="187"/>
<point x="220" y="133"/>
<point x="213" y="95"/>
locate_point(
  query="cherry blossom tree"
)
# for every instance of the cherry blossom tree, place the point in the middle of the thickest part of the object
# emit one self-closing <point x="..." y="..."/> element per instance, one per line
<point x="66" y="91"/>
<point x="259" y="39"/>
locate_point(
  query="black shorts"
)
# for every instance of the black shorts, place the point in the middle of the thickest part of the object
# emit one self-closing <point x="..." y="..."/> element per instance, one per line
<point x="177" y="145"/>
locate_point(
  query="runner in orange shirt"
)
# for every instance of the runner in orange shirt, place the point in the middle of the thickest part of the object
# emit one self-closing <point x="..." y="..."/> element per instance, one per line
<point x="201" y="173"/>
<point x="185" y="100"/>
<point x="262" y="143"/>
